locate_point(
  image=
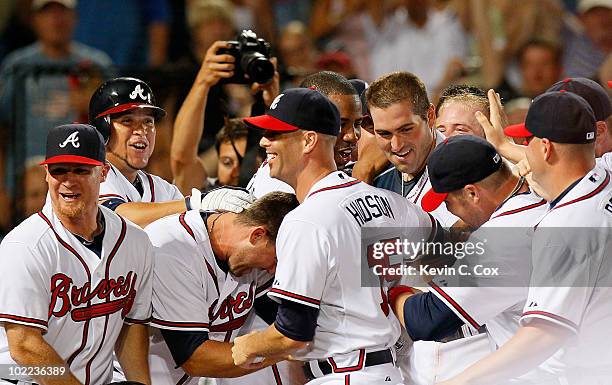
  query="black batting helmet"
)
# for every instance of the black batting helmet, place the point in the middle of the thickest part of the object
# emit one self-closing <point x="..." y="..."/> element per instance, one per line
<point x="118" y="95"/>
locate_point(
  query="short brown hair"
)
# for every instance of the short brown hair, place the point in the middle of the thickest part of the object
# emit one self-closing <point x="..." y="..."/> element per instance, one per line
<point x="232" y="130"/>
<point x="269" y="211"/>
<point x="397" y="87"/>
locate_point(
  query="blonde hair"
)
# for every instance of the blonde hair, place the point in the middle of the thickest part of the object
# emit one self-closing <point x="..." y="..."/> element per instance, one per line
<point x="204" y="11"/>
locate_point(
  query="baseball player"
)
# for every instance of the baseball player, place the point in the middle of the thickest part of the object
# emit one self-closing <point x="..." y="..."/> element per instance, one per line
<point x="212" y="271"/>
<point x="124" y="111"/>
<point x="477" y="185"/>
<point x="343" y="331"/>
<point x="404" y="128"/>
<point x="342" y="93"/>
<point x="564" y="327"/>
<point x="591" y="91"/>
<point x="76" y="277"/>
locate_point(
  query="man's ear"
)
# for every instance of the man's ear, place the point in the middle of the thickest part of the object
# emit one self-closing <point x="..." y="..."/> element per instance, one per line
<point x="431" y="116"/>
<point x="311" y="139"/>
<point x="546" y="148"/>
<point x="105" y="170"/>
<point x="471" y="193"/>
<point x="257" y="235"/>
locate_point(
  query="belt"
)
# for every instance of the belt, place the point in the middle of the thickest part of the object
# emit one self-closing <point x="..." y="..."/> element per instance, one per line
<point x="328" y="366"/>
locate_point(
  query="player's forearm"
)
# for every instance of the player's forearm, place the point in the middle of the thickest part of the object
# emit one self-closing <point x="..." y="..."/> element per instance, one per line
<point x="214" y="359"/>
<point x="270" y="343"/>
<point x="143" y="213"/>
<point x="132" y="350"/>
<point x="28" y="348"/>
<point x="528" y="348"/>
<point x="189" y="126"/>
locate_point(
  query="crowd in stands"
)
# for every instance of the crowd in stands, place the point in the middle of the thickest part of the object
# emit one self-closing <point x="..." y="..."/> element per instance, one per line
<point x="55" y="53"/>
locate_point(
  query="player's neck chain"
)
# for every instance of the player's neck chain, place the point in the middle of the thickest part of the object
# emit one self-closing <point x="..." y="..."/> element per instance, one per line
<point x="514" y="191"/>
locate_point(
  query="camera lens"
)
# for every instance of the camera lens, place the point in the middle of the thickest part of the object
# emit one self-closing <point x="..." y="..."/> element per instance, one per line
<point x="258" y="67"/>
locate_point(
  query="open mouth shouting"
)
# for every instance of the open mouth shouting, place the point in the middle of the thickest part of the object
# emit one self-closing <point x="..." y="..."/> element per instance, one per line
<point x="139" y="146"/>
<point x="343" y="155"/>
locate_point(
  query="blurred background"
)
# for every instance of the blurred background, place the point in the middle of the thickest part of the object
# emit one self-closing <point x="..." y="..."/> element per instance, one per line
<point x="54" y="54"/>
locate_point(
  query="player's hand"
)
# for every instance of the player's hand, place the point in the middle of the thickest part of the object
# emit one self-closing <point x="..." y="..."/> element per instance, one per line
<point x="216" y="66"/>
<point x="240" y="355"/>
<point x="228" y="198"/>
<point x="270" y="89"/>
<point x="523" y="169"/>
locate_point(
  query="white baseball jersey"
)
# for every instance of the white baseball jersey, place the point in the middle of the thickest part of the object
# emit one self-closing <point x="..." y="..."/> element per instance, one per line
<point x="155" y="188"/>
<point x="319" y="261"/>
<point x="262" y="183"/>
<point x="605" y="161"/>
<point x="579" y="263"/>
<point x="192" y="293"/>
<point x="417" y="191"/>
<point x="429" y="361"/>
<point x="51" y="281"/>
<point x="506" y="248"/>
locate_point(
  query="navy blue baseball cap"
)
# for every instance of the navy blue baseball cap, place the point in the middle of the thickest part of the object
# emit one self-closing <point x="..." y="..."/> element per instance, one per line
<point x="75" y="143"/>
<point x="456" y="162"/>
<point x="299" y="108"/>
<point x="591" y="91"/>
<point x="561" y="117"/>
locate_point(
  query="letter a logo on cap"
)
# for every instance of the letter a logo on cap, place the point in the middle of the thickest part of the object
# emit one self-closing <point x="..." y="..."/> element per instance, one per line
<point x="139" y="91"/>
<point x="275" y="101"/>
<point x="72" y="139"/>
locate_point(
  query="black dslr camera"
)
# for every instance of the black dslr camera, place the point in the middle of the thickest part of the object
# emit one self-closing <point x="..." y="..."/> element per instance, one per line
<point x="252" y="56"/>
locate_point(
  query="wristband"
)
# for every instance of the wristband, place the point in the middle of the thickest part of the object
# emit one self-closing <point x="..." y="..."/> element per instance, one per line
<point x="396" y="291"/>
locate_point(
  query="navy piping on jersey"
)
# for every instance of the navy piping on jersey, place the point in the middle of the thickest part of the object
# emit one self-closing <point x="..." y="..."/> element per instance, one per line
<point x="458" y="307"/>
<point x="186" y="226"/>
<point x="24" y="319"/>
<point x="553" y="316"/>
<point x="521" y="209"/>
<point x="211" y="271"/>
<point x="295" y="296"/>
<point x="151" y="186"/>
<point x="589" y="195"/>
<point x="343" y="185"/>
<point x="554" y="202"/>
<point x="195" y="325"/>
<point x="277" y="376"/>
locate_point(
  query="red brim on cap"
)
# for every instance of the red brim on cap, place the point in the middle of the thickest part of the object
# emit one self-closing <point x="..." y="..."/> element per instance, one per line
<point x="432" y="200"/>
<point x="71" y="159"/>
<point x="609" y="83"/>
<point x="269" y="123"/>
<point x="129" y="106"/>
<point x="517" y="131"/>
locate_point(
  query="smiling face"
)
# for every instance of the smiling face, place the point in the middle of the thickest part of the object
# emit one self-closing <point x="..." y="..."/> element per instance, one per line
<point x="132" y="139"/>
<point x="405" y="138"/>
<point x="74" y="188"/>
<point x="349" y="107"/>
<point x="457" y="118"/>
<point x="283" y="153"/>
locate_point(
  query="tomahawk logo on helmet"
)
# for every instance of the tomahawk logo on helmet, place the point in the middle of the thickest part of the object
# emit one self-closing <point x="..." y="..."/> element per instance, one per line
<point x="119" y="95"/>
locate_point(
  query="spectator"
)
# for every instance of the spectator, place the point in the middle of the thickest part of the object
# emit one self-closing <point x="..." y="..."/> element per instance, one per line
<point x="208" y="21"/>
<point x="297" y="54"/>
<point x="34" y="190"/>
<point x="343" y="25"/>
<point x="540" y="66"/>
<point x="588" y="40"/>
<point x="456" y="108"/>
<point x="419" y="28"/>
<point x="135" y="31"/>
<point x="34" y="95"/>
